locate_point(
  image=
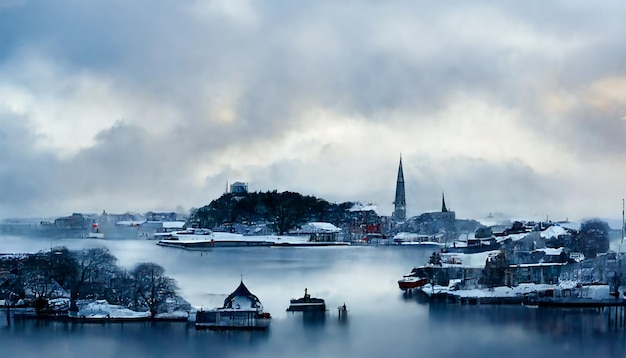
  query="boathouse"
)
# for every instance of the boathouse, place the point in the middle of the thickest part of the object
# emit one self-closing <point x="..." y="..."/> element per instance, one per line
<point x="241" y="310"/>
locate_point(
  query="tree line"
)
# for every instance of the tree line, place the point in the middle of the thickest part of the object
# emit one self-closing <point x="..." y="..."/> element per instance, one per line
<point x="85" y="274"/>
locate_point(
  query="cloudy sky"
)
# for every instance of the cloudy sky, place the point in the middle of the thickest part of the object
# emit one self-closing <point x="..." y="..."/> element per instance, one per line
<point x="512" y="107"/>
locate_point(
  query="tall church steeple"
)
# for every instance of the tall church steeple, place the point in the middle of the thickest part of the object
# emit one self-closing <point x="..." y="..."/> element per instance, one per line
<point x="399" y="211"/>
<point x="444" y="209"/>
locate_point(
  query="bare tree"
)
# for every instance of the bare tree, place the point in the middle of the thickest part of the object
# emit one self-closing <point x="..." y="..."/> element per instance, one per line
<point x="94" y="268"/>
<point x="152" y="286"/>
<point x="37" y="279"/>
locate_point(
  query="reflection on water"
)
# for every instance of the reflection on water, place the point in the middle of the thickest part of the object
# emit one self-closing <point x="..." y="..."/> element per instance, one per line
<point x="311" y="319"/>
<point x="382" y="320"/>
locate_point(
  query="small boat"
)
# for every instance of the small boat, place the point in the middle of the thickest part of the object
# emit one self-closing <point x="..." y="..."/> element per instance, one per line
<point x="205" y="238"/>
<point x="188" y="238"/>
<point x="418" y="277"/>
<point x="409" y="282"/>
<point x="306" y="304"/>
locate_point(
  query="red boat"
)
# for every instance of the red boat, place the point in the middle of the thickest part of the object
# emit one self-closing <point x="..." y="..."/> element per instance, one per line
<point x="409" y="282"/>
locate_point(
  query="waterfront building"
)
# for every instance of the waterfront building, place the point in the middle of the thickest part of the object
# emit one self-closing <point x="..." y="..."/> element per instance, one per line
<point x="241" y="310"/>
<point x="239" y="188"/>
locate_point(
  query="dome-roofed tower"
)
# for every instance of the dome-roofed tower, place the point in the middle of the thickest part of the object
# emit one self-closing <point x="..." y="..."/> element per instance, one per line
<point x="242" y="298"/>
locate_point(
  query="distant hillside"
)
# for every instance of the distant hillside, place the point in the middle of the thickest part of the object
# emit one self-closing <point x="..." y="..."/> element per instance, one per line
<point x="284" y="211"/>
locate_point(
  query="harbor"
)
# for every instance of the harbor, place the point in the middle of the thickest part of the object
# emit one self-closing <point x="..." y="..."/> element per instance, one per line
<point x="362" y="277"/>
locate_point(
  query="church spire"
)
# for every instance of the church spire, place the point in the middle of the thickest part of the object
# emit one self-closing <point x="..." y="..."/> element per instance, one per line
<point x="399" y="211"/>
<point x="444" y="209"/>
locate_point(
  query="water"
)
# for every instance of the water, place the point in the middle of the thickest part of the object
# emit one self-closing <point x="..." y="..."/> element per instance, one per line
<point x="381" y="320"/>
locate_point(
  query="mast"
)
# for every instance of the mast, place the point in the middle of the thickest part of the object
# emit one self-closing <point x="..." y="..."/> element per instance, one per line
<point x="618" y="275"/>
<point x="622" y="238"/>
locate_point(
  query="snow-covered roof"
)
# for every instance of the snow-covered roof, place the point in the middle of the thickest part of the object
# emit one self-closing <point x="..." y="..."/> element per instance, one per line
<point x="540" y="264"/>
<point x="411" y="235"/>
<point x="513" y="237"/>
<point x="173" y="224"/>
<point x="129" y="223"/>
<point x="361" y="207"/>
<point x="551" y="252"/>
<point x="553" y="231"/>
<point x="570" y="225"/>
<point x="236" y="298"/>
<point x="318" y="227"/>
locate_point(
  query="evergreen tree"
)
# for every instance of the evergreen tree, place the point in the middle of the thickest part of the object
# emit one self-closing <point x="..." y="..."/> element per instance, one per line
<point x="284" y="211"/>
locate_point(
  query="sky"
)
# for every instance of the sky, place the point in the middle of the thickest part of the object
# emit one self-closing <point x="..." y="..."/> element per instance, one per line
<point x="508" y="107"/>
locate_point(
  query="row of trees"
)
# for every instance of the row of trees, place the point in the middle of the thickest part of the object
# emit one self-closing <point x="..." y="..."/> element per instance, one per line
<point x="284" y="211"/>
<point x="87" y="274"/>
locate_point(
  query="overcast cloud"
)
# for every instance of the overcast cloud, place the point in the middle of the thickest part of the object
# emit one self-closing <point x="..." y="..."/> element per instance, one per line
<point x="513" y="107"/>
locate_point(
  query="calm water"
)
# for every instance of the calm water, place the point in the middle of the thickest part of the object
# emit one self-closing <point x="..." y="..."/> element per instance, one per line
<point x="382" y="321"/>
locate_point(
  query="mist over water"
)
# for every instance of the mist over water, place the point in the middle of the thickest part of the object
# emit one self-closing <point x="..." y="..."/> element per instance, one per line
<point x="382" y="321"/>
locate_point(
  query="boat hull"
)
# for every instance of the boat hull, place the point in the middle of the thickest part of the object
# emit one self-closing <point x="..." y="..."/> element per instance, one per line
<point x="307" y="307"/>
<point x="210" y="244"/>
<point x="310" y="244"/>
<point x="409" y="283"/>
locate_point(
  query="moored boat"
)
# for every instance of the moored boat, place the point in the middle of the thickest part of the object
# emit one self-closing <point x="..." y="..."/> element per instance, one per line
<point x="205" y="238"/>
<point x="411" y="282"/>
<point x="307" y="303"/>
<point x="417" y="278"/>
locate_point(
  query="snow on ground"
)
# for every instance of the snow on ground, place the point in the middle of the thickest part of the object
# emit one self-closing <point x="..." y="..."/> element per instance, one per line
<point x="592" y="292"/>
<point x="102" y="309"/>
<point x="173" y="315"/>
<point x="410" y="235"/>
<point x="505" y="291"/>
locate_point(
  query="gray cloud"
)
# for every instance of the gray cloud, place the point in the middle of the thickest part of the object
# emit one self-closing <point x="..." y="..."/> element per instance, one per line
<point x="177" y="98"/>
<point x="27" y="176"/>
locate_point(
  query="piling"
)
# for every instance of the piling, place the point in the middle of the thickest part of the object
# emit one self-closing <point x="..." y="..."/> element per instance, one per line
<point x="343" y="312"/>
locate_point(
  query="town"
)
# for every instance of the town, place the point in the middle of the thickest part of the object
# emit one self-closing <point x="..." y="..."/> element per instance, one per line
<point x="531" y="262"/>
